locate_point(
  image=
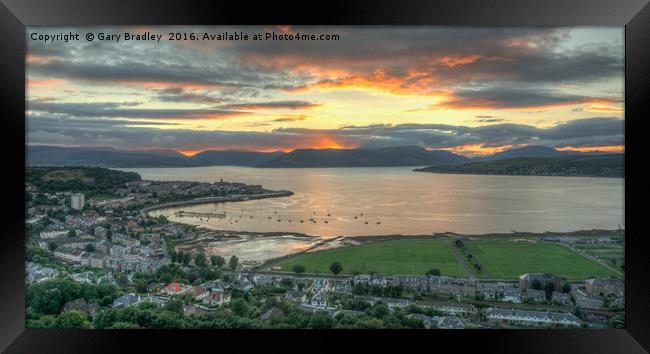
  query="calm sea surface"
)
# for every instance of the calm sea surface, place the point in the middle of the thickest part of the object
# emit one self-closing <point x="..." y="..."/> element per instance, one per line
<point x="395" y="200"/>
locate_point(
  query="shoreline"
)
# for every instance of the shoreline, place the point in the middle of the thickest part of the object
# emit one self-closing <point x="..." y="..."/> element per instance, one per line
<point x="209" y="200"/>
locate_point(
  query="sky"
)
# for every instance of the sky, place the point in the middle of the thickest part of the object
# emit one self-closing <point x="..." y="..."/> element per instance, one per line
<point x="469" y="90"/>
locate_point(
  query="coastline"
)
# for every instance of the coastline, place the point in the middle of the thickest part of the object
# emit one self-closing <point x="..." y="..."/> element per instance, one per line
<point x="209" y="200"/>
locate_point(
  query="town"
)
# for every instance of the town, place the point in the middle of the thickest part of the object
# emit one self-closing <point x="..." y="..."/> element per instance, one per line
<point x="109" y="262"/>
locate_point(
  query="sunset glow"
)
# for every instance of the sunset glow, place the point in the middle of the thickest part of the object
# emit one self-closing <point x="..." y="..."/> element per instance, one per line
<point x="471" y="92"/>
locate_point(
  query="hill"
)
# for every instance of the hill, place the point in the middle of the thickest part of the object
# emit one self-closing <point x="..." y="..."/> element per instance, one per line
<point x="38" y="155"/>
<point x="234" y="158"/>
<point x="390" y="156"/>
<point x="78" y="179"/>
<point x="536" y="151"/>
<point x="612" y="165"/>
<point x="41" y="155"/>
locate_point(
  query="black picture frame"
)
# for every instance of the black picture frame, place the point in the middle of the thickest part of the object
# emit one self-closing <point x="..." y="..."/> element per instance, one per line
<point x="16" y="14"/>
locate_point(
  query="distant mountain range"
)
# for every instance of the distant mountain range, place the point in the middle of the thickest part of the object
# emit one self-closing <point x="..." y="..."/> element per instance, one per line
<point x="536" y="151"/>
<point x="42" y="155"/>
<point x="390" y="156"/>
<point x="612" y="165"/>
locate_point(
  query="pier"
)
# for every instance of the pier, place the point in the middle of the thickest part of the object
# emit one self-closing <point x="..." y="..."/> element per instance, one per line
<point x="200" y="215"/>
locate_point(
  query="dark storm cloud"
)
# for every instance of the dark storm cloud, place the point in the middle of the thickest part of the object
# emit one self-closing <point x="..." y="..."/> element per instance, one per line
<point x="503" y="96"/>
<point x="118" y="110"/>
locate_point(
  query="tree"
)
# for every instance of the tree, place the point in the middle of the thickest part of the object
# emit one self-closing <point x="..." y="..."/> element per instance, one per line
<point x="109" y="235"/>
<point x="233" y="262"/>
<point x="298" y="269"/>
<point x="72" y="233"/>
<point x="199" y="260"/>
<point x="433" y="272"/>
<point x="52" y="246"/>
<point x="549" y="288"/>
<point x="72" y="319"/>
<point x="336" y="268"/>
<point x="239" y="307"/>
<point x="566" y="288"/>
<point x="90" y="248"/>
<point x="536" y="284"/>
<point x="217" y="261"/>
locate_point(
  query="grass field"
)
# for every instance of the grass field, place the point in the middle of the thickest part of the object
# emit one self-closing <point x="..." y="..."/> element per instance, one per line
<point x="505" y="259"/>
<point x="413" y="257"/>
<point x="606" y="252"/>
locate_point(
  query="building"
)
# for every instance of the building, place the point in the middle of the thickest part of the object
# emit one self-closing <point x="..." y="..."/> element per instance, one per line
<point x="526" y="281"/>
<point x="398" y="303"/>
<point x="85" y="277"/>
<point x="69" y="255"/>
<point x="604" y="287"/>
<point x="81" y="305"/>
<point x="126" y="300"/>
<point x="450" y="308"/>
<point x="176" y="289"/>
<point x="450" y="322"/>
<point x="198" y="293"/>
<point x="319" y="300"/>
<point x="296" y="296"/>
<point x="217" y="298"/>
<point x="531" y="318"/>
<point x="77" y="201"/>
<point x="53" y="231"/>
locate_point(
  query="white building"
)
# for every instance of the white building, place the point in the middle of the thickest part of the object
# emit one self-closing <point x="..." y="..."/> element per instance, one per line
<point x="77" y="201"/>
<point x="532" y="317"/>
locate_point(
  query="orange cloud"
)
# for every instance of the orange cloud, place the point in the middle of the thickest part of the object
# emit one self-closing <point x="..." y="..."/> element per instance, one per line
<point x="611" y="148"/>
<point x="452" y="61"/>
<point x="43" y="83"/>
<point x="477" y="149"/>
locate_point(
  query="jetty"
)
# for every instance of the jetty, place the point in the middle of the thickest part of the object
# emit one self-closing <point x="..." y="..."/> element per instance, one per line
<point x="200" y="215"/>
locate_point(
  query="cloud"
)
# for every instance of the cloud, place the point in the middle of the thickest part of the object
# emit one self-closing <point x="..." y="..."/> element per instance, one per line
<point x="273" y="105"/>
<point x="599" y="131"/>
<point x="118" y="110"/>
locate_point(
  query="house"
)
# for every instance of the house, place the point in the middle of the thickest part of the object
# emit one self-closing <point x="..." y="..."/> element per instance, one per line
<point x="85" y="277"/>
<point x="81" y="305"/>
<point x="98" y="260"/>
<point x="526" y="281"/>
<point x="362" y="279"/>
<point x="69" y="255"/>
<point x="36" y="273"/>
<point x="342" y="287"/>
<point x="213" y="285"/>
<point x="397" y="303"/>
<point x="511" y="295"/>
<point x="175" y="289"/>
<point x="450" y="322"/>
<point x="535" y="295"/>
<point x="531" y="318"/>
<point x="242" y="284"/>
<point x="604" y="287"/>
<point x="198" y="293"/>
<point x="319" y="300"/>
<point x="53" y="231"/>
<point x="126" y="300"/>
<point x="450" y="308"/>
<point x="217" y="298"/>
<point x="296" y="296"/>
<point x="587" y="302"/>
